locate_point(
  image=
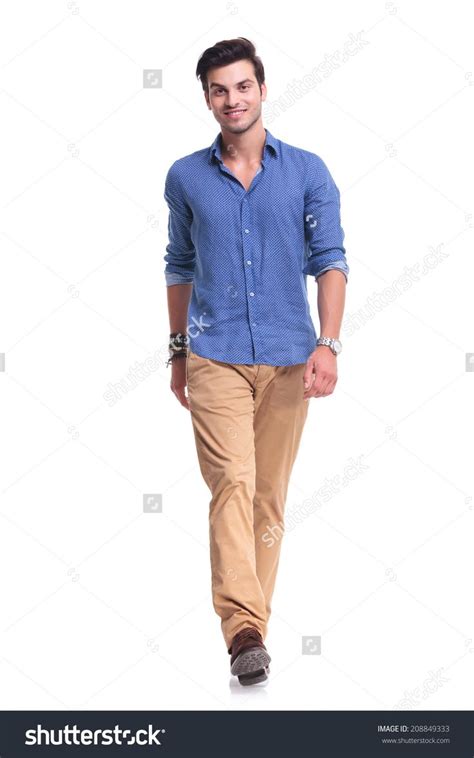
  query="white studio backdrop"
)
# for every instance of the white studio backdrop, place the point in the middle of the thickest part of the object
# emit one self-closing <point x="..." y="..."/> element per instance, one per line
<point x="104" y="514"/>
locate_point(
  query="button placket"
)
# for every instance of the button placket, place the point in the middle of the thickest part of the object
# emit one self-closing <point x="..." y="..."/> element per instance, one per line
<point x="247" y="243"/>
<point x="248" y="252"/>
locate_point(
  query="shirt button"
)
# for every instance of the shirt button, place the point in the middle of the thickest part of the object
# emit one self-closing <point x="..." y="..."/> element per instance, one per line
<point x="251" y="294"/>
<point x="247" y="231"/>
<point x="249" y="262"/>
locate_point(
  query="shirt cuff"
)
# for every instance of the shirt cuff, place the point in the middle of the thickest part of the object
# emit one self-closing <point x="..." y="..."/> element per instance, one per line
<point x="339" y="265"/>
<point x="174" y="278"/>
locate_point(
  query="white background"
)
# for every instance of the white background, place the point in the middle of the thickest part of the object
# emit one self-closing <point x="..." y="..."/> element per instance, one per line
<point x="105" y="606"/>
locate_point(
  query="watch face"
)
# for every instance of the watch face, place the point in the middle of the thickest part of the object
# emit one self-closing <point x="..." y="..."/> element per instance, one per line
<point x="337" y="346"/>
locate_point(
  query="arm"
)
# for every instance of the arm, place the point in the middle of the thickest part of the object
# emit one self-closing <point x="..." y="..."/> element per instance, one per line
<point x="327" y="263"/>
<point x="331" y="301"/>
<point x="322" y="222"/>
<point x="180" y="255"/>
<point x="179" y="273"/>
<point x="320" y="375"/>
<point x="179" y="296"/>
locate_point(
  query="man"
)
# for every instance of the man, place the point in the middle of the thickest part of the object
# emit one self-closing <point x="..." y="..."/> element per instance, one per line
<point x="249" y="218"/>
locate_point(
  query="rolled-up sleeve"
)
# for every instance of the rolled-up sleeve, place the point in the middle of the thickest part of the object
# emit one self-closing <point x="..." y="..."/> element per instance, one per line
<point x="322" y="219"/>
<point x="180" y="255"/>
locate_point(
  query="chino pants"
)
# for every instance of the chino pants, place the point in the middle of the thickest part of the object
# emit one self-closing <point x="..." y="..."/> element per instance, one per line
<point x="247" y="422"/>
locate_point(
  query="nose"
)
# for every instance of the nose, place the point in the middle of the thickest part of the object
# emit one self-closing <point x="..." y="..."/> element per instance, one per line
<point x="232" y="106"/>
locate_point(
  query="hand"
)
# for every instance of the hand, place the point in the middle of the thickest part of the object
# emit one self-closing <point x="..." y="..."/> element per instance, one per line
<point x="321" y="383"/>
<point x="178" y="380"/>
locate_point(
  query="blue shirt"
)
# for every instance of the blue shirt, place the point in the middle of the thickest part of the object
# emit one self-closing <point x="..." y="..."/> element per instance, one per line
<point x="248" y="253"/>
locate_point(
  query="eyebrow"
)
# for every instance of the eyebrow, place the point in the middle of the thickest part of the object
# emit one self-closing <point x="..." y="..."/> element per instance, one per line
<point x="216" y="84"/>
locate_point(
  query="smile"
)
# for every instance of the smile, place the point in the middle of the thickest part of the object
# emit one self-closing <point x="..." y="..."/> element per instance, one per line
<point x="235" y="114"/>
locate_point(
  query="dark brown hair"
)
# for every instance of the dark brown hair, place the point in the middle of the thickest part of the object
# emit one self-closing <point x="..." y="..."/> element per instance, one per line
<point x="229" y="51"/>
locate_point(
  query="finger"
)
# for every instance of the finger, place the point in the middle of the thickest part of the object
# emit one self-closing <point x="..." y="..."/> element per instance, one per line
<point x="323" y="385"/>
<point x="327" y="387"/>
<point x="311" y="391"/>
<point x="308" y="377"/>
<point x="318" y="387"/>
<point x="314" y="391"/>
<point x="331" y="387"/>
<point x="179" y="392"/>
<point x="308" y="393"/>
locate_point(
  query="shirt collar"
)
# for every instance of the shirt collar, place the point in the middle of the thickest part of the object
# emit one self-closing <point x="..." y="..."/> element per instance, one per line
<point x="215" y="149"/>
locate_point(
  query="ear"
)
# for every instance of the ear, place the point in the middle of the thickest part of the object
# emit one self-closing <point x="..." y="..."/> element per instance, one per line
<point x="264" y="91"/>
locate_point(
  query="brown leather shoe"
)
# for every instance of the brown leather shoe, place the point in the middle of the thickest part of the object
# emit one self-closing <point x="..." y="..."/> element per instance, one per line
<point x="249" y="657"/>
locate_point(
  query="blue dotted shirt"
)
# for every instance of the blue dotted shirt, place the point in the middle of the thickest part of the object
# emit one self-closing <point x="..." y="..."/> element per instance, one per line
<point x="248" y="253"/>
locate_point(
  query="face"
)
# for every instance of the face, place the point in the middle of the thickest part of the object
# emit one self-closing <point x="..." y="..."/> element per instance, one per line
<point x="235" y="88"/>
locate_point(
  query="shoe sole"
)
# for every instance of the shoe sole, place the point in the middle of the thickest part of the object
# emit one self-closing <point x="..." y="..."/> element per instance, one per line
<point x="251" y="661"/>
<point x="255" y="677"/>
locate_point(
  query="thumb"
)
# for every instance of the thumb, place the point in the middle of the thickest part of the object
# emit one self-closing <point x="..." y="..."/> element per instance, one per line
<point x="307" y="378"/>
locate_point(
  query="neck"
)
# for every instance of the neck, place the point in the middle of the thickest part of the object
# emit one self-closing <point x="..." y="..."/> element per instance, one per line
<point x="245" y="147"/>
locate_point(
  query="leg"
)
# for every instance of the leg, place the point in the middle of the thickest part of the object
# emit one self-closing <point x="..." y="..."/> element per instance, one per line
<point x="280" y="415"/>
<point x="222" y="408"/>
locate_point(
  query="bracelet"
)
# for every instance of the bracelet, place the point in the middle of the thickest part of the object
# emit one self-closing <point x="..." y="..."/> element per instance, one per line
<point x="178" y="346"/>
<point x="177" y="338"/>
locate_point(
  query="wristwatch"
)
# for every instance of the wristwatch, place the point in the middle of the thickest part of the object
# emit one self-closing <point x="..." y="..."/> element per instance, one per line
<point x="334" y="344"/>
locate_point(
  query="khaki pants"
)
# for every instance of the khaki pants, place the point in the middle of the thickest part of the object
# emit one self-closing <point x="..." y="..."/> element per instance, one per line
<point x="247" y="422"/>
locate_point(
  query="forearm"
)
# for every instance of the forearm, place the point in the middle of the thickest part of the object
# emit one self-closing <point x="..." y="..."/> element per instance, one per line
<point x="331" y="301"/>
<point x="179" y="296"/>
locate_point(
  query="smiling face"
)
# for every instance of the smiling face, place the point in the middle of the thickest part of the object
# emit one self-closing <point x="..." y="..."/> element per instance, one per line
<point x="234" y="96"/>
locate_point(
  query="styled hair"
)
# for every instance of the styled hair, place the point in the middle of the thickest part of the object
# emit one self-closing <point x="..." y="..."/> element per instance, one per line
<point x="229" y="51"/>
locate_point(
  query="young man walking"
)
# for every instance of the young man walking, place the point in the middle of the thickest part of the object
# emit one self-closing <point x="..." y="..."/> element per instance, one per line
<point x="249" y="218"/>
